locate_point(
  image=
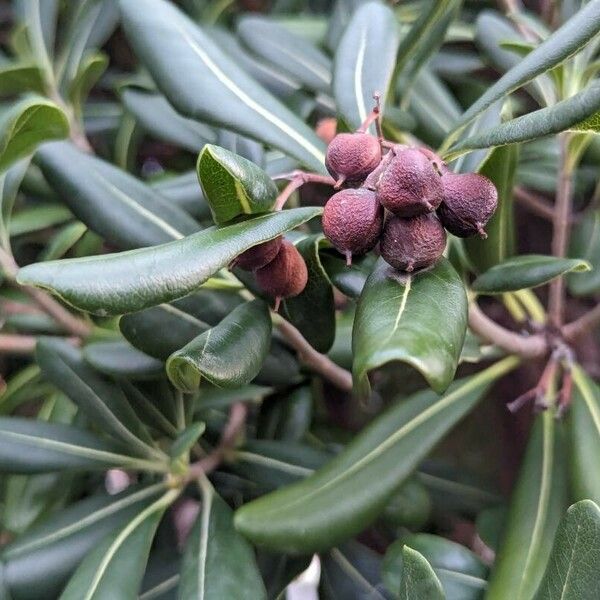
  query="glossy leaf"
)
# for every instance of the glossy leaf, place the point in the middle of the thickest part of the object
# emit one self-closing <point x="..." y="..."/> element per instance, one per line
<point x="38" y="562"/>
<point x="572" y="572"/>
<point x="90" y="71"/>
<point x="102" y="401"/>
<point x="230" y="354"/>
<point x="31" y="446"/>
<point x="120" y="359"/>
<point x="313" y="311"/>
<point x="184" y="191"/>
<point x="151" y="276"/>
<point x="111" y="202"/>
<point x="536" y="507"/>
<point x="562" y="44"/>
<point x="348" y="493"/>
<point x="418" y="578"/>
<point x="161" y="120"/>
<point x="218" y="563"/>
<point x="500" y="168"/>
<point x="26" y="124"/>
<point x="570" y="114"/>
<point x="526" y="271"/>
<point x="116" y="566"/>
<point x="233" y="185"/>
<point x="16" y="78"/>
<point x="584" y="427"/>
<point x="291" y="53"/>
<point x="63" y="241"/>
<point x="418" y="319"/>
<point x="364" y="61"/>
<point x="585" y="244"/>
<point x="461" y="573"/>
<point x="192" y="71"/>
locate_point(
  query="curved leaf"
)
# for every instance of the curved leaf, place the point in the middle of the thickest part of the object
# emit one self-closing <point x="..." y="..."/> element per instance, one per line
<point x="88" y="74"/>
<point x="364" y="61"/>
<point x="562" y="44"/>
<point x="160" y="119"/>
<point x="233" y="185"/>
<point x="116" y="566"/>
<point x="37" y="564"/>
<point x="572" y="572"/>
<point x="290" y="52"/>
<point x="218" y="563"/>
<point x="192" y="72"/>
<point x="535" y="510"/>
<point x="184" y="191"/>
<point x="120" y="359"/>
<point x="585" y="244"/>
<point x="230" y="354"/>
<point x="150" y="276"/>
<point x="526" y="271"/>
<point x="10" y="182"/>
<point x="16" y="78"/>
<point x="111" y="202"/>
<point x="26" y="124"/>
<point x="418" y="578"/>
<point x="344" y="496"/>
<point x="584" y="426"/>
<point x="419" y="319"/>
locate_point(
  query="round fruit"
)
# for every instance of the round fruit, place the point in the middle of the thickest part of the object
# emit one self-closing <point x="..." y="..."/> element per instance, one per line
<point x="352" y="156"/>
<point x="258" y="256"/>
<point x="413" y="243"/>
<point x="469" y="202"/>
<point x="410" y="185"/>
<point x="285" y="276"/>
<point x="352" y="221"/>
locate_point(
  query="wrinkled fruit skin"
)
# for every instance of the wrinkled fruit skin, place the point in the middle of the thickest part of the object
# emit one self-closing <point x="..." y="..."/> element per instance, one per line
<point x="259" y="256"/>
<point x="410" y="185"/>
<point x="469" y="202"/>
<point x="353" y="220"/>
<point x="413" y="243"/>
<point x="286" y="275"/>
<point x="352" y="156"/>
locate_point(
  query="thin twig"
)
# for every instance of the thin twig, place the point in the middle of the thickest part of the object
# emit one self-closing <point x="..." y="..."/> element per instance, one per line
<point x="17" y="344"/>
<point x="560" y="237"/>
<point x="526" y="346"/>
<point x="318" y="362"/>
<point x="584" y="324"/>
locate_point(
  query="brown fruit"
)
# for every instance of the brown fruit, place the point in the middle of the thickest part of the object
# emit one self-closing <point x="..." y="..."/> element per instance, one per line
<point x="285" y="276"/>
<point x="258" y="256"/>
<point x="469" y="202"/>
<point x="413" y="243"/>
<point x="410" y="185"/>
<point x="352" y="221"/>
<point x="352" y="156"/>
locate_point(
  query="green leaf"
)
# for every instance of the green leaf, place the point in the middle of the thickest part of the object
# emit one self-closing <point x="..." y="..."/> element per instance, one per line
<point x="585" y="244"/>
<point x="90" y="70"/>
<point x="500" y="168"/>
<point x="289" y="418"/>
<point x="186" y="439"/>
<point x="121" y="359"/>
<point x="123" y="210"/>
<point x="37" y="564"/>
<point x="460" y="572"/>
<point x="232" y="185"/>
<point x="16" y="78"/>
<point x="364" y="61"/>
<point x="584" y="427"/>
<point x="26" y="124"/>
<point x="31" y="446"/>
<point x="418" y="319"/>
<point x="348" y="493"/>
<point x="218" y="563"/>
<point x="313" y="311"/>
<point x="572" y="572"/>
<point x="150" y="276"/>
<point x="526" y="271"/>
<point x="229" y="355"/>
<point x="116" y="566"/>
<point x="291" y="53"/>
<point x="161" y="120"/>
<point x="537" y="504"/>
<point x="103" y="402"/>
<point x="563" y="43"/>
<point x="570" y="114"/>
<point x="63" y="241"/>
<point x="38" y="217"/>
<point x="192" y="72"/>
<point x="279" y="570"/>
<point x="349" y="280"/>
<point x="418" y="578"/>
<point x="184" y="191"/>
<point x="10" y="181"/>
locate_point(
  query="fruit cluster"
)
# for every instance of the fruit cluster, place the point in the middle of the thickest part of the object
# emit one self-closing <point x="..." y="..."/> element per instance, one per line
<point x="414" y="187"/>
